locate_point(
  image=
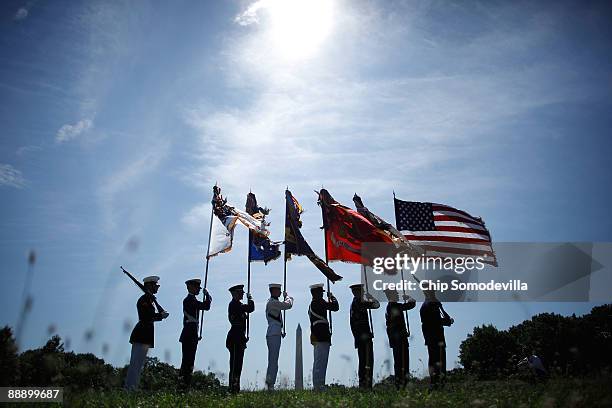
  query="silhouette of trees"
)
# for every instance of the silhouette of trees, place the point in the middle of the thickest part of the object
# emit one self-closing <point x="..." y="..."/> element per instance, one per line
<point x="50" y="365"/>
<point x="568" y="345"/>
<point x="8" y="358"/>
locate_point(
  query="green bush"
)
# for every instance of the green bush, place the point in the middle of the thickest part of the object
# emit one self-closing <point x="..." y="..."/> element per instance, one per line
<point x="9" y="361"/>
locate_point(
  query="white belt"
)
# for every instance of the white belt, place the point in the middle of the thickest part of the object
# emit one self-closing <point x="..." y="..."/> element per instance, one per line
<point x="321" y="318"/>
<point x="189" y="318"/>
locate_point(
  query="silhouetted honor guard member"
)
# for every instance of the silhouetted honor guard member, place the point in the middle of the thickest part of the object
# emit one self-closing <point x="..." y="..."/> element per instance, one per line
<point x="142" y="336"/>
<point x="236" y="337"/>
<point x="274" y="315"/>
<point x="433" y="320"/>
<point x="320" y="335"/>
<point x="189" y="336"/>
<point x="362" y="332"/>
<point x="398" y="335"/>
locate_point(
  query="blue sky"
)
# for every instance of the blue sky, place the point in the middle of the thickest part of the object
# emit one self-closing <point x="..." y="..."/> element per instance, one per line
<point x="118" y="117"/>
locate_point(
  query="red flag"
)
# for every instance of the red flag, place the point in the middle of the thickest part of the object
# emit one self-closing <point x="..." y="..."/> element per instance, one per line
<point x="346" y="231"/>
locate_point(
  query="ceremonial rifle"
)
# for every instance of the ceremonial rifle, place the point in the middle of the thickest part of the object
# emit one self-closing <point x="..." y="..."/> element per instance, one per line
<point x="145" y="290"/>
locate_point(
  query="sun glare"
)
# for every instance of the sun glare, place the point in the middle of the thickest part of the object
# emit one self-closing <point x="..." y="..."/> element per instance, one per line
<point x="299" y="27"/>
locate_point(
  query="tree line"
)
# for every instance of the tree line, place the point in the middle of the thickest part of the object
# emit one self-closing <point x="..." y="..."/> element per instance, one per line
<point x="568" y="346"/>
<point x="51" y="365"/>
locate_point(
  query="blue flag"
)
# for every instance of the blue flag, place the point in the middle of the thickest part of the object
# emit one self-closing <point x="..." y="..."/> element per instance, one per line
<point x="260" y="247"/>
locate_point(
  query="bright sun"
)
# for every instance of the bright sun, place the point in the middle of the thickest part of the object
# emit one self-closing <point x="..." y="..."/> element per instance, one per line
<point x="298" y="27"/>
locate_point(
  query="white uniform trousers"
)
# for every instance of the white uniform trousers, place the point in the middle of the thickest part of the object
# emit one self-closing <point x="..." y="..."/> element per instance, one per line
<point x="274" y="343"/>
<point x="137" y="360"/>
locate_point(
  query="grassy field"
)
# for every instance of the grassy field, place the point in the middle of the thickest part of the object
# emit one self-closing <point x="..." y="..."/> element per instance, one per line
<point x="555" y="393"/>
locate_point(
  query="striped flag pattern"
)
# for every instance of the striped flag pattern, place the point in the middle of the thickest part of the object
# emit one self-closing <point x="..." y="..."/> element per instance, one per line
<point x="443" y="231"/>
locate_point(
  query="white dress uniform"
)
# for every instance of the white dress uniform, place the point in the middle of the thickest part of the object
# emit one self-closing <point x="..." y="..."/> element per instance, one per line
<point x="274" y="308"/>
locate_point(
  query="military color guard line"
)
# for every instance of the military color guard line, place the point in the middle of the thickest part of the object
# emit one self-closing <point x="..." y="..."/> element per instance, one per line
<point x="433" y="319"/>
<point x="423" y="230"/>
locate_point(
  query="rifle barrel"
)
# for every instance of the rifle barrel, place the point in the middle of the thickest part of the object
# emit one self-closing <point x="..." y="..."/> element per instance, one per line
<point x="145" y="290"/>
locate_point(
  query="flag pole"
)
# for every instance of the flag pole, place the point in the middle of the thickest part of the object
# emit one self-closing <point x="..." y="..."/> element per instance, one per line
<point x="329" y="313"/>
<point x="284" y="332"/>
<point x="365" y="277"/>
<point x="331" y="326"/>
<point x="402" y="275"/>
<point x="405" y="311"/>
<point x="212" y="206"/>
<point x="249" y="279"/>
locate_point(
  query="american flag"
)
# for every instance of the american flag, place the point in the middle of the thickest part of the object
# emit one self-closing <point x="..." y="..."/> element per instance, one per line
<point x="443" y="231"/>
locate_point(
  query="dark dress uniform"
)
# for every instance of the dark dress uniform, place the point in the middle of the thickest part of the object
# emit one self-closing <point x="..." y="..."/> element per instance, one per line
<point x="362" y="334"/>
<point x="189" y="336"/>
<point x="143" y="331"/>
<point x="320" y="337"/>
<point x="236" y="340"/>
<point x="319" y="328"/>
<point x="433" y="320"/>
<point x="397" y="333"/>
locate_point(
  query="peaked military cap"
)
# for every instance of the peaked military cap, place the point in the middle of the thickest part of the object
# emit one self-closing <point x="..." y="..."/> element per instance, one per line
<point x="193" y="282"/>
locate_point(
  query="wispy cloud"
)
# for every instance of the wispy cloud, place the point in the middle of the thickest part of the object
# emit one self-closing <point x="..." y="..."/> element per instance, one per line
<point x="21" y="14"/>
<point x="11" y="177"/>
<point x="198" y="217"/>
<point x="250" y="15"/>
<point x="70" y="132"/>
<point x="127" y="177"/>
<point x="23" y="150"/>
